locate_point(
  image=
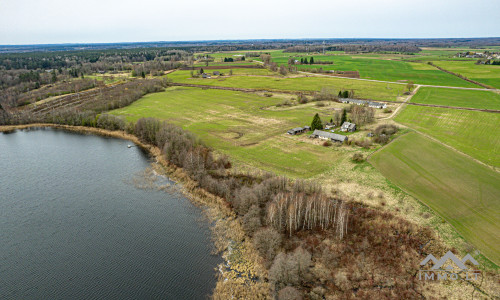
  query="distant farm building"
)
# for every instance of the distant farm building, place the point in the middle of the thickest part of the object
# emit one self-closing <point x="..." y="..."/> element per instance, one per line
<point x="329" y="136"/>
<point x="329" y="125"/>
<point x="295" y="131"/>
<point x="377" y="104"/>
<point x="347" y="126"/>
<point x="205" y="75"/>
<point x="350" y="74"/>
<point x="299" y="130"/>
<point x="363" y="102"/>
<point x="216" y="73"/>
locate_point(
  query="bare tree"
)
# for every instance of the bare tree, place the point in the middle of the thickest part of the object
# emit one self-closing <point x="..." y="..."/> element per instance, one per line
<point x="289" y="293"/>
<point x="267" y="241"/>
<point x="410" y="86"/>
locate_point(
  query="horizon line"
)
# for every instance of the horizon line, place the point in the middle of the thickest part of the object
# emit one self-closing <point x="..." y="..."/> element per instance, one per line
<point x="252" y="39"/>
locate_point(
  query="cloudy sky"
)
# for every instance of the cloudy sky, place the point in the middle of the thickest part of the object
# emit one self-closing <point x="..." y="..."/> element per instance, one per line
<point x="96" y="21"/>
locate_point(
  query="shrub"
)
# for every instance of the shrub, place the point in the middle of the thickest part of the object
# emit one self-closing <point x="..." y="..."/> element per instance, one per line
<point x="267" y="242"/>
<point x="383" y="133"/>
<point x="146" y="130"/>
<point x="327" y="143"/>
<point x="289" y="293"/>
<point x="381" y="139"/>
<point x="303" y="99"/>
<point x="290" y="269"/>
<point x="327" y="94"/>
<point x="387" y="129"/>
<point x="365" y="143"/>
<point x="110" y="122"/>
<point x="387" y="110"/>
<point x="251" y="221"/>
<point x="358" y="157"/>
<point x="244" y="198"/>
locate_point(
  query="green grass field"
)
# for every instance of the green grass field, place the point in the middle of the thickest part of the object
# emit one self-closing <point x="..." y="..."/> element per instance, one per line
<point x="487" y="74"/>
<point x="374" y="67"/>
<point x="235" y="123"/>
<point x="462" y="191"/>
<point x="472" y="132"/>
<point x="362" y="89"/>
<point x="457" y="98"/>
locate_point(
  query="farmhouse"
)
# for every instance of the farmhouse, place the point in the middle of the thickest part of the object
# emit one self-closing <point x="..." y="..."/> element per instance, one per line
<point x="205" y="75"/>
<point x="353" y="101"/>
<point x="216" y="73"/>
<point x="329" y="136"/>
<point x="347" y="126"/>
<point x="363" y="102"/>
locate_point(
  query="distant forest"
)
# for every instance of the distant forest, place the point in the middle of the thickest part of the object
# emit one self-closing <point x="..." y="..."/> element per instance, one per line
<point x="231" y="45"/>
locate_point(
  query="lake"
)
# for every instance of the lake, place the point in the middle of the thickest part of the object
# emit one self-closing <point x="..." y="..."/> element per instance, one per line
<point x="73" y="226"/>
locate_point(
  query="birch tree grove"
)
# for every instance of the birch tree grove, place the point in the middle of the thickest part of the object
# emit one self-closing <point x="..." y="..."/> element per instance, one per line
<point x="292" y="212"/>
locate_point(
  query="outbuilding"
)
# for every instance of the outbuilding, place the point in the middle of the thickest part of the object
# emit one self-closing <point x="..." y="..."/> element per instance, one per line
<point x="295" y="131"/>
<point x="329" y="136"/>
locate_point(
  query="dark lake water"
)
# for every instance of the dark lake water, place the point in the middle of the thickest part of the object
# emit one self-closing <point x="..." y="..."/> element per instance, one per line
<point x="73" y="227"/>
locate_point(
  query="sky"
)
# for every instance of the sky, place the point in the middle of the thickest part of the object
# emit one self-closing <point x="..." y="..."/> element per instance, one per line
<point x="109" y="21"/>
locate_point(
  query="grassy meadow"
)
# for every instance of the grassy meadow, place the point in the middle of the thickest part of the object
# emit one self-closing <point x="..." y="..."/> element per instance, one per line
<point x="462" y="191"/>
<point x="362" y="89"/>
<point x="457" y="98"/>
<point x="235" y="123"/>
<point x="486" y="74"/>
<point x="472" y="132"/>
<point x="383" y="69"/>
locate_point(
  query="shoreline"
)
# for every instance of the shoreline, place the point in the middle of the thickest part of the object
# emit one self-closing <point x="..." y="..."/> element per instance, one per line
<point x="225" y="229"/>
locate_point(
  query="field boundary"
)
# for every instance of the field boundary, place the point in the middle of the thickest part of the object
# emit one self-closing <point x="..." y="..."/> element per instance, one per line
<point x="460" y="76"/>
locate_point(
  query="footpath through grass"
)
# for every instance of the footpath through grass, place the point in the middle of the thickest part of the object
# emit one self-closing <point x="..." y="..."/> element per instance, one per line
<point x="462" y="191"/>
<point x="472" y="132"/>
